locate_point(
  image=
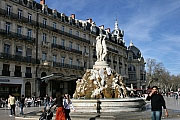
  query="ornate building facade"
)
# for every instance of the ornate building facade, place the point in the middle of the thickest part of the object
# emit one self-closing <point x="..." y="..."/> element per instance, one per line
<point x="43" y="51"/>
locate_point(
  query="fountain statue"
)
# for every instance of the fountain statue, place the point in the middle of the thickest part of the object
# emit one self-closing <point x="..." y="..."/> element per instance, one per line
<point x="101" y="81"/>
<point x="103" y="88"/>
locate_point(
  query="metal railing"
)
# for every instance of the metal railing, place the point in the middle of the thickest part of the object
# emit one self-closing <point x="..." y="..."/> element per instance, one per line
<point x="63" y="65"/>
<point x="66" y="48"/>
<point x="17" y="36"/>
<point x="10" y="57"/>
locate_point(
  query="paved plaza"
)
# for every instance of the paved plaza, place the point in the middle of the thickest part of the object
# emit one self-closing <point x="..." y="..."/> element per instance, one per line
<point x="33" y="113"/>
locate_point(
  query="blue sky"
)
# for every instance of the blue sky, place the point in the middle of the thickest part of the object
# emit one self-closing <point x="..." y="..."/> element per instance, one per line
<point x="152" y="25"/>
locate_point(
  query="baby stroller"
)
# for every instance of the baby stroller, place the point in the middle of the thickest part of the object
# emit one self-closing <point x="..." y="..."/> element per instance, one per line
<point x="47" y="114"/>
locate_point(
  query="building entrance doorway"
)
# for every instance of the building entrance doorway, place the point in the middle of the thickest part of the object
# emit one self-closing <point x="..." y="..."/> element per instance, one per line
<point x="28" y="89"/>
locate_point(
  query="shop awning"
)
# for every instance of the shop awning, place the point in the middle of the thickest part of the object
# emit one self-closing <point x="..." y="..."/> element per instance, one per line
<point x="59" y="76"/>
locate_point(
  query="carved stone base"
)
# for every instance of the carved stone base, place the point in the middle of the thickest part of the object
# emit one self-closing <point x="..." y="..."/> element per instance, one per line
<point x="101" y="64"/>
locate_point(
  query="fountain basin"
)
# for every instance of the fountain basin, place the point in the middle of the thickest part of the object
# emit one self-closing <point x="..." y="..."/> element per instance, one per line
<point x="109" y="105"/>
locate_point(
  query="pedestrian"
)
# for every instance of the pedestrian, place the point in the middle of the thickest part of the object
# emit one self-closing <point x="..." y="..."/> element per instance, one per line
<point x="22" y="104"/>
<point x="157" y="102"/>
<point x="67" y="106"/>
<point x="60" y="113"/>
<point x="47" y="100"/>
<point x="11" y="102"/>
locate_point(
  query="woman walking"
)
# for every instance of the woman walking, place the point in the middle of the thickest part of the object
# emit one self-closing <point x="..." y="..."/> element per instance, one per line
<point x="67" y="106"/>
<point x="60" y="114"/>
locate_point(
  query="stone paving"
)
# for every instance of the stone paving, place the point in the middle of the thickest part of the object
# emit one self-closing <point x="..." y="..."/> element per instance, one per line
<point x="33" y="113"/>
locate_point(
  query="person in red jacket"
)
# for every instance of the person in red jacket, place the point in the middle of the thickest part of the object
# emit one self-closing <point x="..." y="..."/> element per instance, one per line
<point x="157" y="102"/>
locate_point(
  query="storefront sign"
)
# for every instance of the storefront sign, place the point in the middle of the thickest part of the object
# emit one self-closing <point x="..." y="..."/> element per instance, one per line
<point x="4" y="80"/>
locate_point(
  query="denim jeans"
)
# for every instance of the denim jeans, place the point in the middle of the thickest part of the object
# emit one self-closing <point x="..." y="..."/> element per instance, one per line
<point x="21" y="108"/>
<point x="156" y="115"/>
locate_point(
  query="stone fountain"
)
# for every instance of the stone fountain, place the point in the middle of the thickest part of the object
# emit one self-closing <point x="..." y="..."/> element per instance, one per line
<point x="102" y="87"/>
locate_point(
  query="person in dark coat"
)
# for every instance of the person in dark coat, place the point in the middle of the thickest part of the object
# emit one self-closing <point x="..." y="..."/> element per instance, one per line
<point x="157" y="102"/>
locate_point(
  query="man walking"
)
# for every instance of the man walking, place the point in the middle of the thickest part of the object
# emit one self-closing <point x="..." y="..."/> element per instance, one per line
<point x="157" y="102"/>
<point x="11" y="102"/>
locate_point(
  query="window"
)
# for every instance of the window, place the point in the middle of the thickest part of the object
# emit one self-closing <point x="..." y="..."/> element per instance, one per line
<point x="28" y="72"/>
<point x="44" y="22"/>
<point x="6" y="48"/>
<point x="54" y="25"/>
<point x="63" y="42"/>
<point x="54" y="39"/>
<point x="78" y="47"/>
<point x="5" y="71"/>
<point x="19" y="50"/>
<point x="8" y="10"/>
<point x="19" y="14"/>
<point x="7" y="27"/>
<point x="62" y="60"/>
<point x="28" y="69"/>
<point x="54" y="58"/>
<point x="77" y="33"/>
<point x="62" y="28"/>
<point x="84" y="36"/>
<point x="29" y="33"/>
<point x="70" y="44"/>
<point x="29" y="52"/>
<point x="19" y="29"/>
<point x="70" y="31"/>
<point x="85" y="50"/>
<point x="29" y="17"/>
<point x="17" y="72"/>
<point x="44" y="37"/>
<point x="78" y="62"/>
<point x="44" y="56"/>
<point x="70" y="61"/>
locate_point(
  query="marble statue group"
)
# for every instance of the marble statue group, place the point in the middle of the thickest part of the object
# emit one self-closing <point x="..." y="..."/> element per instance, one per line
<point x="101" y="49"/>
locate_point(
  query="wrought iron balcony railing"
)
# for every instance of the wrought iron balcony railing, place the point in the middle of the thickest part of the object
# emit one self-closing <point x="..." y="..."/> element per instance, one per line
<point x="14" y="16"/>
<point x="63" y="65"/>
<point x="63" y="32"/>
<point x="5" y="73"/>
<point x="20" y="37"/>
<point x="10" y="57"/>
<point x="18" y="74"/>
<point x="28" y="75"/>
<point x="66" y="48"/>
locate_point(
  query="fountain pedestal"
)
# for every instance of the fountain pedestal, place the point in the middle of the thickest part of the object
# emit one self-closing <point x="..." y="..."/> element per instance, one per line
<point x="100" y="65"/>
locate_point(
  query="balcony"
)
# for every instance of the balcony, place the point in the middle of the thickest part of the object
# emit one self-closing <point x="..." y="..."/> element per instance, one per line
<point x="17" y="74"/>
<point x="112" y="50"/>
<point x="66" y="48"/>
<point x="16" y="17"/>
<point x="6" y="56"/>
<point x="63" y="33"/>
<point x="5" y="73"/>
<point x="28" y="75"/>
<point x="63" y="65"/>
<point x="17" y="36"/>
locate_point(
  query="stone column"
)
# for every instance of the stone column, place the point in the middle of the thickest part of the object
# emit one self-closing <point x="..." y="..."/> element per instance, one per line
<point x="12" y="69"/>
<point x="13" y="48"/>
<point x="1" y="68"/>
<point x="23" y="70"/>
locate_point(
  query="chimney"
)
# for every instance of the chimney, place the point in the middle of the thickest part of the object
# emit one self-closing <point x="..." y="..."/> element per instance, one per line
<point x="42" y="2"/>
<point x="90" y="20"/>
<point x="102" y="27"/>
<point x="108" y="30"/>
<point x="73" y="16"/>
